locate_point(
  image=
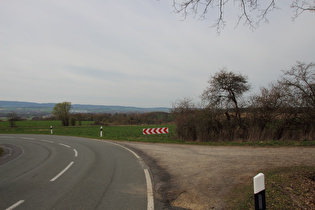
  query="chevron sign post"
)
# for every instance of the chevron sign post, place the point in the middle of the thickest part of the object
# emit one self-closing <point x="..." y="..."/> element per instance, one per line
<point x="147" y="131"/>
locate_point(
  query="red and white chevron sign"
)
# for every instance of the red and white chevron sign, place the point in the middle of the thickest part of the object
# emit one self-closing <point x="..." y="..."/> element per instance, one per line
<point x="155" y="130"/>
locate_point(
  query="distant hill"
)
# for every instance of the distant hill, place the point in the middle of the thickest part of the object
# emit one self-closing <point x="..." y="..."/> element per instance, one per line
<point x="41" y="109"/>
<point x="18" y="104"/>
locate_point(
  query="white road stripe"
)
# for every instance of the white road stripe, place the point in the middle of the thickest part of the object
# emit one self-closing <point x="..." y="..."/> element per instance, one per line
<point x="149" y="190"/>
<point x="7" y="137"/>
<point x="64" y="145"/>
<point x="62" y="172"/>
<point x="75" y="153"/>
<point x="150" y="205"/>
<point x="28" y="138"/>
<point x="15" y="205"/>
<point x="47" y="141"/>
<point x="135" y="154"/>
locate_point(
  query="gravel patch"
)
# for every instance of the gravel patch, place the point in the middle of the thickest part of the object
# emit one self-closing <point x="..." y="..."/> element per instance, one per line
<point x="200" y="177"/>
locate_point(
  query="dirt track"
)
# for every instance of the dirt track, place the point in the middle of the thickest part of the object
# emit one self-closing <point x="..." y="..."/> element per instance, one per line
<point x="199" y="177"/>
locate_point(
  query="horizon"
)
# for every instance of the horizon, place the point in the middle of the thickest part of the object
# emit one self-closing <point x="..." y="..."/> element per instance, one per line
<point x="83" y="104"/>
<point x="138" y="53"/>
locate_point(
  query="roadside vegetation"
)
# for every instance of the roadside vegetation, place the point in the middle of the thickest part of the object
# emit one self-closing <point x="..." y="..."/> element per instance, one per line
<point x="286" y="188"/>
<point x="283" y="111"/>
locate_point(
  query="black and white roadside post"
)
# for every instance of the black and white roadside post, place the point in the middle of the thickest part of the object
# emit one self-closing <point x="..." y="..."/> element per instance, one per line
<point x="101" y="134"/>
<point x="51" y="131"/>
<point x="259" y="191"/>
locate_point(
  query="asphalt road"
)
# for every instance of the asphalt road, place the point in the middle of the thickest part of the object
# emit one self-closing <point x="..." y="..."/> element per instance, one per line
<point x="58" y="172"/>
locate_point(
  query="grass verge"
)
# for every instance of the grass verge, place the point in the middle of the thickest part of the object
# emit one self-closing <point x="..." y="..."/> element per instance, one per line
<point x="129" y="133"/>
<point x="286" y="188"/>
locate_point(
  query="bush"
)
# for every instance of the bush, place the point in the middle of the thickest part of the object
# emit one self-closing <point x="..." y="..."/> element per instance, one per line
<point x="283" y="111"/>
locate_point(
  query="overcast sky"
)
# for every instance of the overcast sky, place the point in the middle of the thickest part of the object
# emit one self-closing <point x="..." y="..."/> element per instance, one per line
<point x="136" y="53"/>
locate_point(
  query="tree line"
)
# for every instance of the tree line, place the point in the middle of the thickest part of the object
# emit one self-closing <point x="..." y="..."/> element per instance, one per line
<point x="285" y="110"/>
<point x="62" y="112"/>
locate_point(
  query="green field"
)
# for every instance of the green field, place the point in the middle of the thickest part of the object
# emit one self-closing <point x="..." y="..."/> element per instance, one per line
<point x="125" y="132"/>
<point x="130" y="133"/>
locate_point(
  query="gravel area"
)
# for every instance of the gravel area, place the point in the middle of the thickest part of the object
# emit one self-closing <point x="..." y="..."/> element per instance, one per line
<point x="200" y="177"/>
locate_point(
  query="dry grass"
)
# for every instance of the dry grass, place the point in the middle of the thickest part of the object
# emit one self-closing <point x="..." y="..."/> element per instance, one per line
<point x="286" y="188"/>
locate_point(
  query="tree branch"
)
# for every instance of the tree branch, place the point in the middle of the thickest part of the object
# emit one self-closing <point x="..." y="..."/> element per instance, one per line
<point x="251" y="12"/>
<point x="202" y="7"/>
<point x="301" y="6"/>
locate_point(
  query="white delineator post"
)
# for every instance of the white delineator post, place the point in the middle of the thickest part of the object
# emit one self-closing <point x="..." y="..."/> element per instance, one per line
<point x="101" y="134"/>
<point x="51" y="131"/>
<point x="259" y="191"/>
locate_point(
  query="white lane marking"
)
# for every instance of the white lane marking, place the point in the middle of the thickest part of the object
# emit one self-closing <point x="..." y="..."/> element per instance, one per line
<point x="135" y="154"/>
<point x="150" y="205"/>
<point x="64" y="145"/>
<point x="149" y="190"/>
<point x="62" y="172"/>
<point x="47" y="141"/>
<point x="7" y="137"/>
<point x="75" y="153"/>
<point x="15" y="205"/>
<point x="26" y="138"/>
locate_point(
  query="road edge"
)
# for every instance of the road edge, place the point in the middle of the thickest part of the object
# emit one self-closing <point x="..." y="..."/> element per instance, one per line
<point x="147" y="173"/>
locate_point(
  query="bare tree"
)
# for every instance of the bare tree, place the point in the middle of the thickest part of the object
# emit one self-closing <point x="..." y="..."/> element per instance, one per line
<point x="300" y="79"/>
<point x="284" y="110"/>
<point x="225" y="90"/>
<point x="182" y="106"/>
<point x="184" y="111"/>
<point x="267" y="107"/>
<point x="300" y="84"/>
<point x="251" y="12"/>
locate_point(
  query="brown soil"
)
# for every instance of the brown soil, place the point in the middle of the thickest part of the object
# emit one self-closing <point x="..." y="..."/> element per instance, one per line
<point x="200" y="177"/>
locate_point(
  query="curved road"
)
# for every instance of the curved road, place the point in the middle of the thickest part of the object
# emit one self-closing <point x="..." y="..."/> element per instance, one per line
<point x="58" y="172"/>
